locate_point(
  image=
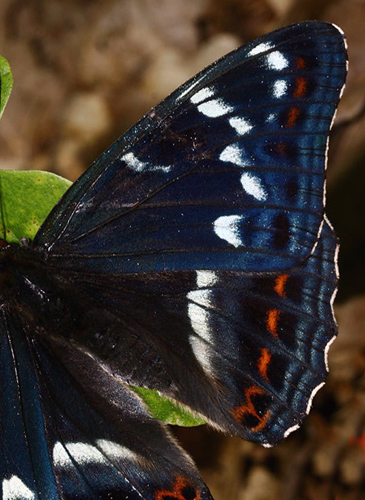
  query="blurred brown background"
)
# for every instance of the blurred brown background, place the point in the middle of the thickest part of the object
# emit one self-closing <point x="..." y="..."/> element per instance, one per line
<point x="85" y="71"/>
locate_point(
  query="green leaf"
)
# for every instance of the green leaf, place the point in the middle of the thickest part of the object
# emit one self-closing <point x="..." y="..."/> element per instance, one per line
<point x="26" y="198"/>
<point x="6" y="83"/>
<point x="167" y="410"/>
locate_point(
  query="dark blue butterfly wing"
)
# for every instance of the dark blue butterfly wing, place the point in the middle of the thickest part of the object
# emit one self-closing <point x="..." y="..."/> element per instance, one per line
<point x="225" y="178"/>
<point x="24" y="468"/>
<point x="55" y="444"/>
<point x="226" y="173"/>
<point x="197" y="257"/>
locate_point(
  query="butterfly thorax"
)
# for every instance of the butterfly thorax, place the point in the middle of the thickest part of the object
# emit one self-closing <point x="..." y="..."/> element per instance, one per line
<point x="28" y="289"/>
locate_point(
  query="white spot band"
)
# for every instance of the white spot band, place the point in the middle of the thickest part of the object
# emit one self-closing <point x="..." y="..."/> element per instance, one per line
<point x="227" y="228"/>
<point x="252" y="185"/>
<point x="139" y="166"/>
<point x="15" y="489"/>
<point x="214" y="108"/>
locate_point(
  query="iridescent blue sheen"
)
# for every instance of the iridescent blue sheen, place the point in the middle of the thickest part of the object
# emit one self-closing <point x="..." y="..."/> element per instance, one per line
<point x="193" y="257"/>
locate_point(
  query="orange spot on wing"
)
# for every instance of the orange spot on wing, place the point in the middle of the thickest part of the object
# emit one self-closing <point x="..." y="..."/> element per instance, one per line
<point x="177" y="491"/>
<point x="292" y="117"/>
<point x="300" y="63"/>
<point x="280" y="283"/>
<point x="264" y="362"/>
<point x="273" y="316"/>
<point x="242" y="411"/>
<point x="300" y="87"/>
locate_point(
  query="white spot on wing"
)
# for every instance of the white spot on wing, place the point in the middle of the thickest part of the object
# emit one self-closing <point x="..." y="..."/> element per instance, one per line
<point x="85" y="453"/>
<point x="262" y="47"/>
<point x="202" y="353"/>
<point x="15" y="489"/>
<point x="205" y="279"/>
<point x="314" y="392"/>
<point x="234" y="154"/>
<point x="199" y="320"/>
<point x="252" y="186"/>
<point x="139" y="166"/>
<point x="279" y="89"/>
<point x="240" y="125"/>
<point x="202" y="95"/>
<point x="116" y="451"/>
<point x="82" y="453"/>
<point x="214" y="108"/>
<point x="231" y="153"/>
<point x="60" y="456"/>
<point x="227" y="228"/>
<point x="199" y="317"/>
<point x="201" y="297"/>
<point x="276" y="60"/>
<point x="199" y="303"/>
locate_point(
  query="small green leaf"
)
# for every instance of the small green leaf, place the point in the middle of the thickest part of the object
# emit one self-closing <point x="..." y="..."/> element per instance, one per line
<point x="6" y="83"/>
<point x="167" y="410"/>
<point x="26" y="198"/>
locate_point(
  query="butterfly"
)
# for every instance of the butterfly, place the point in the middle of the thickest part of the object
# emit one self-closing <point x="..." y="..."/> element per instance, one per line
<point x="192" y="257"/>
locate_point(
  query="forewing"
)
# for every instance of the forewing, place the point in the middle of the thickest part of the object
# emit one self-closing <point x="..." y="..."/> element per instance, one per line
<point x="55" y="443"/>
<point x="227" y="173"/>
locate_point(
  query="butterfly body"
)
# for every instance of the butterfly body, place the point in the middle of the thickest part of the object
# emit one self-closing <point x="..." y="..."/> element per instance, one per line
<point x="193" y="257"/>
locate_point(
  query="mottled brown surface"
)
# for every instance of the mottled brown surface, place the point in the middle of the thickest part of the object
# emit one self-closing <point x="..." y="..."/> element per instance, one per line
<point x="85" y="71"/>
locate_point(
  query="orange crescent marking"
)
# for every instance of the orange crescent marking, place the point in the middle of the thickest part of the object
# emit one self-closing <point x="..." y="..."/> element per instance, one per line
<point x="176" y="491"/>
<point x="273" y="316"/>
<point x="280" y="283"/>
<point x="263" y="363"/>
<point x="300" y="87"/>
<point x="249" y="408"/>
<point x="293" y="114"/>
